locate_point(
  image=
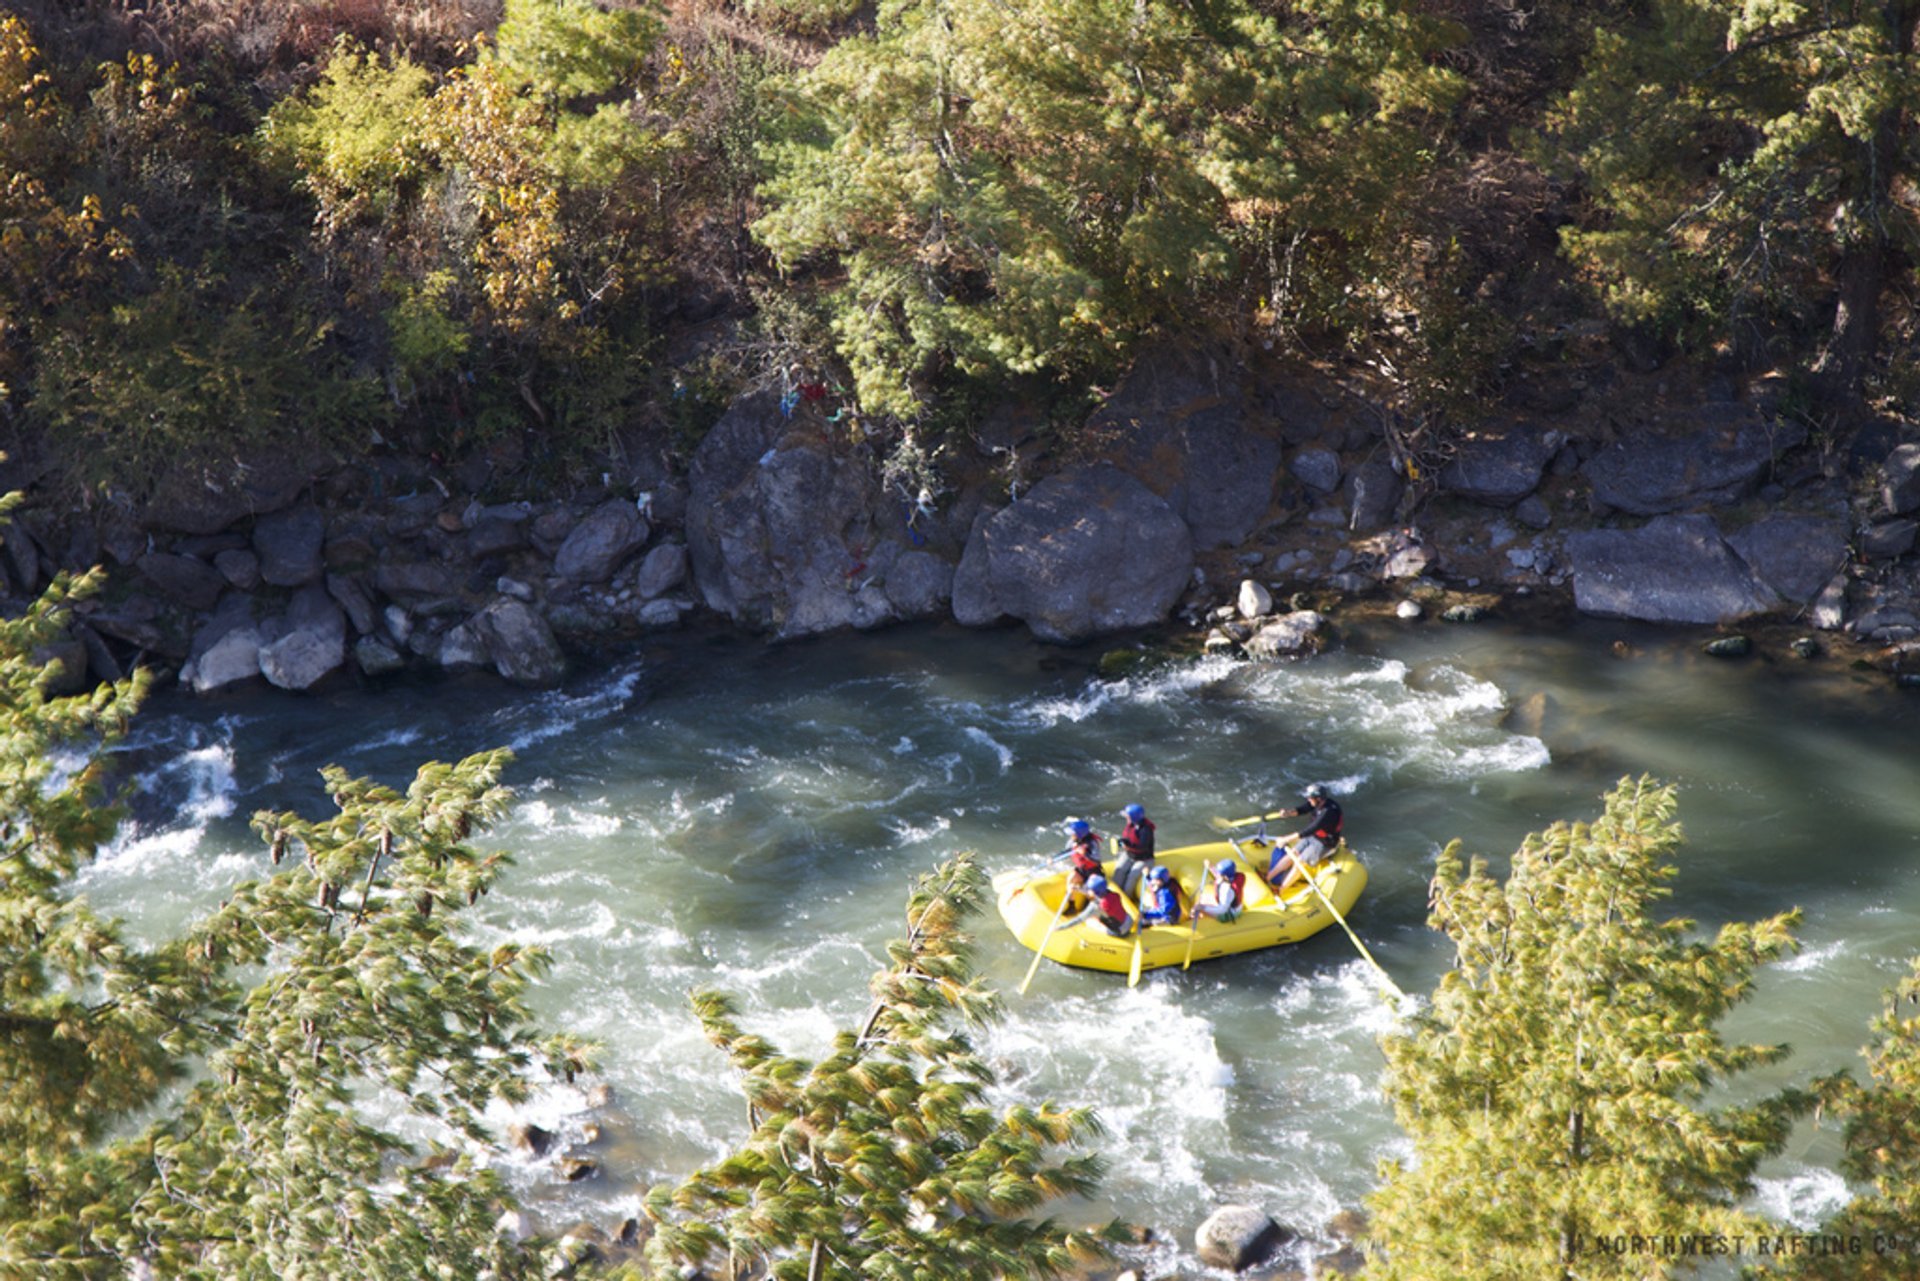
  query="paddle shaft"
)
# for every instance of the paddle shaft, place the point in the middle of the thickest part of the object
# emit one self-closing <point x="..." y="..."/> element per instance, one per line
<point x="1313" y="882"/>
<point x="1139" y="925"/>
<point x="1206" y="870"/>
<point x="1041" y="951"/>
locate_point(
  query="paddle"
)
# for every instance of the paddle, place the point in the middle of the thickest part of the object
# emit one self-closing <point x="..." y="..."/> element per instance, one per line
<point x="1311" y="876"/>
<point x="1228" y="824"/>
<point x="1139" y="926"/>
<point x="1041" y="951"/>
<point x="1021" y="888"/>
<point x="1206" y="870"/>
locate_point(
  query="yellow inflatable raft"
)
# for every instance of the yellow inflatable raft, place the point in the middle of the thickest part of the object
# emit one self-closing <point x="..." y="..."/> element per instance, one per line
<point x="1028" y="901"/>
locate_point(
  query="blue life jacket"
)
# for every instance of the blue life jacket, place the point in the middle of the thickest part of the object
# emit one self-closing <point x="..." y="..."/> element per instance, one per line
<point x="1162" y="905"/>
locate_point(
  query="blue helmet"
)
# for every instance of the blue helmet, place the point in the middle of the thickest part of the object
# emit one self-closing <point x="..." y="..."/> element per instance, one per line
<point x="1080" y="827"/>
<point x="1159" y="874"/>
<point x="1135" y="813"/>
<point x="1225" y="866"/>
<point x="1096" y="885"/>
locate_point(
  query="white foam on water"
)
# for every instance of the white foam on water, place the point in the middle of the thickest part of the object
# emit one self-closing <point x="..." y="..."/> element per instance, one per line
<point x="1153" y="1069"/>
<point x="202" y="778"/>
<point x="543" y="817"/>
<point x="999" y="749"/>
<point x="586" y="921"/>
<point x="904" y="747"/>
<point x="559" y="712"/>
<point x="1810" y="959"/>
<point x="1803" y="1200"/>
<point x="911" y="834"/>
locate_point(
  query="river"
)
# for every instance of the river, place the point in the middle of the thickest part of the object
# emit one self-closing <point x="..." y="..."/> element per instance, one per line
<point x="716" y="812"/>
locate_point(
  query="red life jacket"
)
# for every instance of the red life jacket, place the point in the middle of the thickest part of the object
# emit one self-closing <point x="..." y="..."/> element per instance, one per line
<point x="1236" y="881"/>
<point x="1113" y="909"/>
<point x="1086" y="854"/>
<point x="1137" y="839"/>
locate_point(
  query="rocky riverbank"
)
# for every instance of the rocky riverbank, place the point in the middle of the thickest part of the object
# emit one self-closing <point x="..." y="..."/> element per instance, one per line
<point x="1246" y="504"/>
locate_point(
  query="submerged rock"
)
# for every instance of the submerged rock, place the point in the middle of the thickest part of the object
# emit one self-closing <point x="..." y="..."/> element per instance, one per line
<point x="1728" y="647"/>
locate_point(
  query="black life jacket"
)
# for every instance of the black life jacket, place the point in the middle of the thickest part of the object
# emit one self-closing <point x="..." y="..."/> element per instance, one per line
<point x="1330" y="822"/>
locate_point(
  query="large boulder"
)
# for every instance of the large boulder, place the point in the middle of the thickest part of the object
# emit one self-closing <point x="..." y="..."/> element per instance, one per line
<point x="521" y="644"/>
<point x="1900" y="480"/>
<point x="206" y="497"/>
<point x="1086" y="551"/>
<point x="183" y="580"/>
<point x="1177" y="422"/>
<point x="1677" y="569"/>
<point x="784" y="532"/>
<point x="1236" y="1237"/>
<point x="313" y="644"/>
<point x="1796" y="554"/>
<point x="289" y="545"/>
<point x="918" y="584"/>
<point x="661" y="570"/>
<point x="598" y="544"/>
<point x="1719" y="463"/>
<point x="1373" y="493"/>
<point x="225" y="649"/>
<point x="1316" y="467"/>
<point x="1502" y="468"/>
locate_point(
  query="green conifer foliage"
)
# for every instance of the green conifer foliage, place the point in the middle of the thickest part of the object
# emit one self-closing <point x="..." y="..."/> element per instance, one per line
<point x="1030" y="186"/>
<point x="223" y="1104"/>
<point x="1883" y="1153"/>
<point x="880" y="1161"/>
<point x="1553" y="1090"/>
<point x="1749" y="160"/>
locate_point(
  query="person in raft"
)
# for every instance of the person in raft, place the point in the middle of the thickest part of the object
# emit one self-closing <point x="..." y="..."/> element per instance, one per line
<point x="1311" y="844"/>
<point x="1083" y="847"/>
<point x="1136" y="851"/>
<point x="1160" y="903"/>
<point x="1107" y="907"/>
<point x="1229" y="893"/>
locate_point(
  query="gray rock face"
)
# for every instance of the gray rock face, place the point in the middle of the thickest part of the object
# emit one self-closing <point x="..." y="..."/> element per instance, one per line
<point x="661" y="570"/>
<point x="183" y="580"/>
<point x="610" y="533"/>
<point x="1373" y="493"/>
<point x="1085" y="551"/>
<point x="493" y="534"/>
<point x="352" y="596"/>
<point x="1792" y="553"/>
<point x="239" y="567"/>
<point x="377" y="658"/>
<point x="414" y="580"/>
<point x="461" y="649"/>
<point x="1318" y="468"/>
<point x="1889" y="539"/>
<point x="313" y="646"/>
<point x="784" y="534"/>
<point x="1178" y="426"/>
<point x="191" y="499"/>
<point x="1649" y="475"/>
<point x="1500" y="470"/>
<point x="918" y="584"/>
<point x="521" y="644"/>
<point x="1675" y="570"/>
<point x="1236" y="1237"/>
<point x="1290" y="634"/>
<point x="289" y="544"/>
<point x="1900" y="480"/>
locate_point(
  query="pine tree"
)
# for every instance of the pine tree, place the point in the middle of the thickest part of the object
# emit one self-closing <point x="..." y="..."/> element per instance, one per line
<point x="1883" y="1152"/>
<point x="1747" y="157"/>
<point x="1553" y="1090"/>
<point x="205" y="1106"/>
<point x="880" y="1161"/>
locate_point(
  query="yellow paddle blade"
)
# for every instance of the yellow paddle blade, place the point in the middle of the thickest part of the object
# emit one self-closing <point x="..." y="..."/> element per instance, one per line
<point x="1228" y="824"/>
<point x="1133" y="972"/>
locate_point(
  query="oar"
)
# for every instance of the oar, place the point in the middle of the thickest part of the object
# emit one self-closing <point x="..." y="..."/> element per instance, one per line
<point x="1228" y="824"/>
<point x="1041" y="951"/>
<point x="1311" y="876"/>
<point x="1206" y="870"/>
<point x="1022" y="887"/>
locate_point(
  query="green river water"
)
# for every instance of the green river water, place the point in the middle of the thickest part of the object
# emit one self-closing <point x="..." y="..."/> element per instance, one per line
<point x="713" y="811"/>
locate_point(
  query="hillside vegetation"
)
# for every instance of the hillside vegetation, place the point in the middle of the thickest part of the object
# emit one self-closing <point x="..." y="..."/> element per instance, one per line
<point x="448" y="224"/>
